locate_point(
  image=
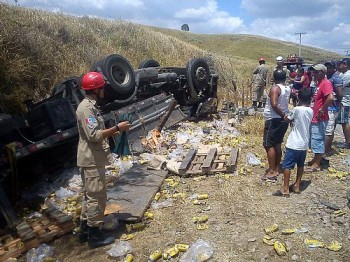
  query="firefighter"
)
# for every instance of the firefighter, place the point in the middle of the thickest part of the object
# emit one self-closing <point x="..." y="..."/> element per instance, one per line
<point x="259" y="84"/>
<point x="92" y="157"/>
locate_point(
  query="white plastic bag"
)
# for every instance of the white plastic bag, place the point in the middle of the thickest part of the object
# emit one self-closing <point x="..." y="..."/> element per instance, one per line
<point x="40" y="253"/>
<point x="165" y="203"/>
<point x="64" y="193"/>
<point x="200" y="251"/>
<point x="120" y="249"/>
<point x="252" y="160"/>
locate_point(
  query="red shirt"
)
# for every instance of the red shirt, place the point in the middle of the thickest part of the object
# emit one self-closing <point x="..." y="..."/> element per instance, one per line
<point x="306" y="82"/>
<point x="323" y="90"/>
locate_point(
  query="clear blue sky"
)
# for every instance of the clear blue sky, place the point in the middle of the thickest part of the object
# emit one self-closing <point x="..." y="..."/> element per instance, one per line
<point x="326" y="22"/>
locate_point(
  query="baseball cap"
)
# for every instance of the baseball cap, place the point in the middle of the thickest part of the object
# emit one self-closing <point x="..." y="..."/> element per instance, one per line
<point x="345" y="61"/>
<point x="331" y="63"/>
<point x="279" y="59"/>
<point x="320" y="67"/>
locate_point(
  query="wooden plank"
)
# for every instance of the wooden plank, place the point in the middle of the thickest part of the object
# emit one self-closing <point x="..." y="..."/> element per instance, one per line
<point x="232" y="160"/>
<point x="134" y="192"/>
<point x="32" y="235"/>
<point x="209" y="161"/>
<point x="12" y="249"/>
<point x="185" y="164"/>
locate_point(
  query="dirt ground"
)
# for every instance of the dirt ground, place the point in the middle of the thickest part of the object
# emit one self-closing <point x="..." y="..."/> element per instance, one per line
<point x="239" y="207"/>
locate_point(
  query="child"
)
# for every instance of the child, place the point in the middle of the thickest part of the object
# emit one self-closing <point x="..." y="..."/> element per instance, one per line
<point x="297" y="142"/>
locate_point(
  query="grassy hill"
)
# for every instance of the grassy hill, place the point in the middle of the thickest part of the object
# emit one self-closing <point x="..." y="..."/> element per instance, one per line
<point x="249" y="47"/>
<point x="39" y="49"/>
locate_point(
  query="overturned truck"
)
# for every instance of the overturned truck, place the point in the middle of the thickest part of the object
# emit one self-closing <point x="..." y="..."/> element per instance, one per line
<point x="47" y="137"/>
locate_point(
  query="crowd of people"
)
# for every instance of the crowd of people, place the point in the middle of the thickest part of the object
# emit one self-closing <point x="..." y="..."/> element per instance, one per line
<point x="320" y="99"/>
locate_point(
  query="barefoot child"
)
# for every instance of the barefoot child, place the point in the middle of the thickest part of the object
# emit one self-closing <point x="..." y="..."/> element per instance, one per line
<point x="297" y="142"/>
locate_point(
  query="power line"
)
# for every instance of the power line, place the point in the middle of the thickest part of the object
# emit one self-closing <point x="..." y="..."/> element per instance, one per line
<point x="301" y="33"/>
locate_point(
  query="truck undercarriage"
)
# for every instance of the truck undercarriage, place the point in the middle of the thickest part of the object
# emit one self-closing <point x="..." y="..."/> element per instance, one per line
<point x="151" y="96"/>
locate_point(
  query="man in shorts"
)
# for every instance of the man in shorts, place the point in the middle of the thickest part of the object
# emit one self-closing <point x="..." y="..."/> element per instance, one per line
<point x="275" y="126"/>
<point x="343" y="116"/>
<point x="322" y="99"/>
<point x="333" y="109"/>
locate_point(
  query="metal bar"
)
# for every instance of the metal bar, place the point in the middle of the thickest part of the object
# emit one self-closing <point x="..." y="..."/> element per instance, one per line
<point x="165" y="117"/>
<point x="6" y="209"/>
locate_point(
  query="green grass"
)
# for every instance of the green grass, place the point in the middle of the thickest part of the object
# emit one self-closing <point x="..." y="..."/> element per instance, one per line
<point x="39" y="49"/>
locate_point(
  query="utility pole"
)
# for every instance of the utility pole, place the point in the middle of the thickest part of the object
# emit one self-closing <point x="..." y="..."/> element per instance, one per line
<point x="301" y="33"/>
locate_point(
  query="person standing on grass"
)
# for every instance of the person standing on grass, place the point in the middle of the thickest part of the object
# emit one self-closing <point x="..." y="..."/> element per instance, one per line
<point x="92" y="157"/>
<point x="322" y="99"/>
<point x="297" y="142"/>
<point x="275" y="126"/>
<point x="343" y="116"/>
<point x="280" y="65"/>
<point x="334" y="108"/>
<point x="259" y="83"/>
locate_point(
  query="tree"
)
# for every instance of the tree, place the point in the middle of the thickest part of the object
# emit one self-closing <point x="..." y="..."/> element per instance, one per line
<point x="185" y="27"/>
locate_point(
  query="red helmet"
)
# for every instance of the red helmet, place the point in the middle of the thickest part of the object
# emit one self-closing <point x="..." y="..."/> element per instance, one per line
<point x="261" y="59"/>
<point x="92" y="80"/>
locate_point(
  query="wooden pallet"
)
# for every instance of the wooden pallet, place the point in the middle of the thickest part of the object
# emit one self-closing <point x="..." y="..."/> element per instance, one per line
<point x="51" y="225"/>
<point x="208" y="163"/>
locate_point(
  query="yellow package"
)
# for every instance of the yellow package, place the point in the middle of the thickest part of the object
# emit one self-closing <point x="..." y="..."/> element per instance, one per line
<point x="313" y="243"/>
<point x="288" y="231"/>
<point x="182" y="247"/>
<point x="334" y="246"/>
<point x="157" y="254"/>
<point x="280" y="248"/>
<point x="271" y="229"/>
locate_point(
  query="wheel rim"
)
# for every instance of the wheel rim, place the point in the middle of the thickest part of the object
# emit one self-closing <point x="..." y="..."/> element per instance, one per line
<point x="120" y="73"/>
<point x="201" y="74"/>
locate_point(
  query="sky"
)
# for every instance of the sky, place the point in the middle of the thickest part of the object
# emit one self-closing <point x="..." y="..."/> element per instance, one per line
<point x="326" y="23"/>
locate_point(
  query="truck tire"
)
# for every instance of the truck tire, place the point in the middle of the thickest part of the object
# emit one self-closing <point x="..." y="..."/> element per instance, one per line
<point x="120" y="77"/>
<point x="197" y="74"/>
<point x="148" y="63"/>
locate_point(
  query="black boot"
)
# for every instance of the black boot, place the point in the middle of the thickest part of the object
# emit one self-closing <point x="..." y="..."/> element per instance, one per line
<point x="97" y="239"/>
<point x="83" y="234"/>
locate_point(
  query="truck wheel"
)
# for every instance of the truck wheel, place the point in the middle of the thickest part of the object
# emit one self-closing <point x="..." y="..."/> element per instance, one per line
<point x="197" y="74"/>
<point x="148" y="63"/>
<point x="120" y="76"/>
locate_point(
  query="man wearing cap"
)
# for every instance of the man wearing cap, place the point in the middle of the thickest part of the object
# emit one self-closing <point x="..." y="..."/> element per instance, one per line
<point x="333" y="109"/>
<point x="92" y="157"/>
<point x="343" y="116"/>
<point x="279" y="65"/>
<point x="322" y="99"/>
<point x="259" y="83"/>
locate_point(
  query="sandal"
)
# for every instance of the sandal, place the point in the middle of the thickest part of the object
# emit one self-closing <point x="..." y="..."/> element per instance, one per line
<point x="291" y="189"/>
<point x="280" y="194"/>
<point x="269" y="178"/>
<point x="312" y="169"/>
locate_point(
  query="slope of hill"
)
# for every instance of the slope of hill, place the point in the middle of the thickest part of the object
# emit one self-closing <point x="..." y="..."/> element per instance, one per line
<point x="250" y="47"/>
<point x="39" y="49"/>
